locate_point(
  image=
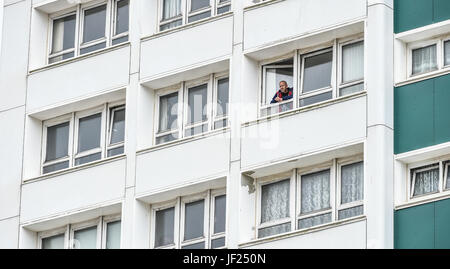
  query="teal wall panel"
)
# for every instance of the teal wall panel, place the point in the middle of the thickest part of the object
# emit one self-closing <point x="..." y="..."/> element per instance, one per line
<point x="442" y="108"/>
<point x="442" y="224"/>
<point x="410" y="14"/>
<point x="413" y="116"/>
<point x="414" y="227"/>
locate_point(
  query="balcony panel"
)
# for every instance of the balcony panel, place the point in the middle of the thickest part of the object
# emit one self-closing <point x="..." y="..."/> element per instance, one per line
<point x="182" y="164"/>
<point x="73" y="191"/>
<point x="303" y="133"/>
<point x="186" y="48"/>
<point x="79" y="79"/>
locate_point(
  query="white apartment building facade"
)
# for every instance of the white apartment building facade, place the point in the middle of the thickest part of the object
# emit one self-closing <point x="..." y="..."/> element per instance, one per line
<point x="150" y="124"/>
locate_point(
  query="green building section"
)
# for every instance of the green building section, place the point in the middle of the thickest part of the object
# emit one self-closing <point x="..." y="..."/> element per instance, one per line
<point x="410" y="14"/>
<point x="422" y="114"/>
<point x="423" y="227"/>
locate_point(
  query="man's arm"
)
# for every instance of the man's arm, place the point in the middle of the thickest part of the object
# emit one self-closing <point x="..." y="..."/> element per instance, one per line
<point x="274" y="97"/>
<point x="289" y="96"/>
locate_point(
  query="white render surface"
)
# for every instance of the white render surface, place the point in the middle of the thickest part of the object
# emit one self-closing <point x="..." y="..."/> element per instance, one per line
<point x="237" y="42"/>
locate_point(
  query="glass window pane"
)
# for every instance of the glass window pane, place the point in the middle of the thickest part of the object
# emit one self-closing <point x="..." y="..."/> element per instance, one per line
<point x="222" y="97"/>
<point x="164" y="227"/>
<point x="118" y="126"/>
<point x="57" y="141"/>
<point x="94" y="23"/>
<point x="119" y="40"/>
<point x="273" y="230"/>
<point x="171" y="8"/>
<point x="220" y="124"/>
<point x="353" y="62"/>
<point x="55" y="167"/>
<point x="194" y="220"/>
<point x="218" y="243"/>
<point x="122" y="17"/>
<point x="199" y="4"/>
<point x="85" y="238"/>
<point x="276" y="109"/>
<point x="424" y="60"/>
<point x="314" y="221"/>
<point x="219" y="214"/>
<point x="200" y="245"/>
<point x="447" y="53"/>
<point x="88" y="159"/>
<point x="113" y="235"/>
<point x="61" y="57"/>
<point x="89" y="132"/>
<point x="196" y="130"/>
<point x="53" y="242"/>
<point x="351" y="89"/>
<point x="166" y="138"/>
<point x="316" y="99"/>
<point x="273" y="78"/>
<point x="315" y="193"/>
<point x="170" y="25"/>
<point x="426" y="180"/>
<point x="93" y="48"/>
<point x="224" y="9"/>
<point x="168" y="112"/>
<point x="352" y="183"/>
<point x="275" y="201"/>
<point x="63" y="34"/>
<point x="447" y="184"/>
<point x="197" y="100"/>
<point x="351" y="212"/>
<point x="115" y="151"/>
<point x="317" y="72"/>
<point x="200" y="16"/>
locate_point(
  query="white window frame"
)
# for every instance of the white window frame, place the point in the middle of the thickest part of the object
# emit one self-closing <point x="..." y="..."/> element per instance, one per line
<point x="342" y="84"/>
<point x="101" y="149"/>
<point x="56" y="16"/>
<point x="186" y="13"/>
<point x="308" y="171"/>
<point x="70" y="229"/>
<point x="106" y="221"/>
<point x="423" y="44"/>
<point x="78" y="10"/>
<point x="217" y="118"/>
<point x="411" y="181"/>
<point x="340" y="206"/>
<point x="50" y="123"/>
<point x="113" y="29"/>
<point x="182" y="116"/>
<point x="191" y="199"/>
<point x="269" y="180"/>
<point x="179" y="214"/>
<point x="162" y="206"/>
<point x="212" y="235"/>
<point x="112" y="108"/>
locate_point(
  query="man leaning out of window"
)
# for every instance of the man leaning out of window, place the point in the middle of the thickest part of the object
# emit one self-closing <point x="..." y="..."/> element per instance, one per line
<point x="283" y="94"/>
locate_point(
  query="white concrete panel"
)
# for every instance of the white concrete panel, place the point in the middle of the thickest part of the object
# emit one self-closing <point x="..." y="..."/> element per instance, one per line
<point x="9" y="233"/>
<point x="287" y="19"/>
<point x="305" y="132"/>
<point x="14" y="55"/>
<point x="11" y="141"/>
<point x="187" y="47"/>
<point x="80" y="79"/>
<point x="182" y="164"/>
<point x="347" y="236"/>
<point x="75" y="190"/>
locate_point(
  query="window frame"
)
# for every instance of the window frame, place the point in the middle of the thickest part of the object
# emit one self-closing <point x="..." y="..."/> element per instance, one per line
<point x="215" y="93"/>
<point x="161" y="93"/>
<point x="105" y="39"/>
<point x="411" y="181"/>
<point x="214" y="5"/>
<point x="113" y="29"/>
<point x="192" y="84"/>
<point x="423" y="44"/>
<point x="57" y="16"/>
<point x="111" y="109"/>
<point x="106" y="221"/>
<point x="339" y="205"/>
<point x="212" y="235"/>
<point x="50" y="123"/>
<point x="269" y="180"/>
<point x="308" y="171"/>
<point x="175" y="203"/>
<point x="59" y="231"/>
<point x="86" y="225"/>
<point x="341" y="84"/>
<point x="205" y="196"/>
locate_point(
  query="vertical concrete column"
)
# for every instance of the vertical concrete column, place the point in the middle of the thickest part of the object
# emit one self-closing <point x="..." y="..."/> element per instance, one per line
<point x="380" y="105"/>
<point x="128" y="207"/>
<point x="15" y="33"/>
<point x="234" y="178"/>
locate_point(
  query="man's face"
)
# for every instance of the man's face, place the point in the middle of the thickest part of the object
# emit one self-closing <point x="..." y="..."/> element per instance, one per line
<point x="283" y="86"/>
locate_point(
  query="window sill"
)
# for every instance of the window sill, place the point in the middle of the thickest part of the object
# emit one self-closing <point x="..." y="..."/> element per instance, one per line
<point x="424" y="200"/>
<point x="79" y="58"/>
<point x="183" y="140"/>
<point x="74" y="169"/>
<point x="187" y="26"/>
<point x="425" y="76"/>
<point x="305" y="109"/>
<point x="296" y="233"/>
